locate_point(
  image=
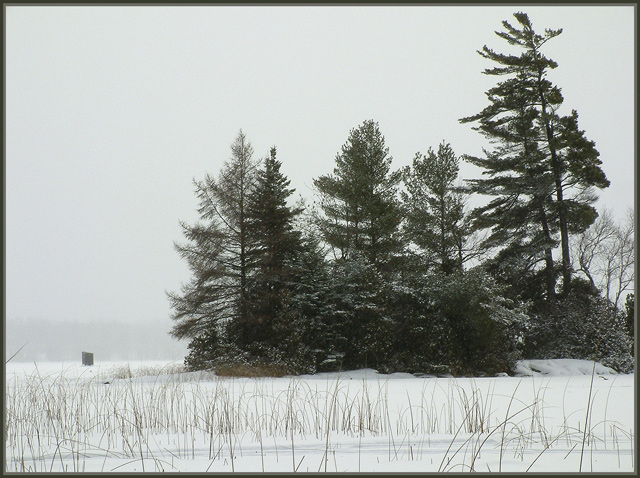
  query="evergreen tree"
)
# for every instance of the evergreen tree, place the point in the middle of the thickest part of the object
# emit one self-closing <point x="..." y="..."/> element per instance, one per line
<point x="434" y="208"/>
<point x="363" y="329"/>
<point x="484" y="327"/>
<point x="360" y="224"/>
<point x="276" y="243"/>
<point x="456" y="323"/>
<point x="520" y="216"/>
<point x="422" y="338"/>
<point x="361" y="210"/>
<point x="218" y="252"/>
<point x="545" y="169"/>
<point x="310" y="305"/>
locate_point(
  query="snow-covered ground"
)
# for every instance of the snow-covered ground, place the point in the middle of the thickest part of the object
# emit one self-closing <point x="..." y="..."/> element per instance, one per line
<point x="554" y="416"/>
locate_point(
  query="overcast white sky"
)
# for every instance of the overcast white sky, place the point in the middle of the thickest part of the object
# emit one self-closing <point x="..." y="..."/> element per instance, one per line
<point x="112" y="111"/>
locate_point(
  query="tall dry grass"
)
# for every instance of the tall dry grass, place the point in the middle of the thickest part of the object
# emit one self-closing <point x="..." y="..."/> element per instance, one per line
<point x="156" y="416"/>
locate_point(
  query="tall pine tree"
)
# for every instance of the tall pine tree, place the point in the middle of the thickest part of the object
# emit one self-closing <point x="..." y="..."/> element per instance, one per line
<point x="360" y="223"/>
<point x="434" y="208"/>
<point x="359" y="200"/>
<point x="556" y="165"/>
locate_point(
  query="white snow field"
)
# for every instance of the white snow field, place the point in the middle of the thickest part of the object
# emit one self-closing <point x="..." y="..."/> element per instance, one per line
<point x="554" y="416"/>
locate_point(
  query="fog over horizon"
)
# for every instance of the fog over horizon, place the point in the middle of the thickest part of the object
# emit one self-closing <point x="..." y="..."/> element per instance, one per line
<point x="109" y="340"/>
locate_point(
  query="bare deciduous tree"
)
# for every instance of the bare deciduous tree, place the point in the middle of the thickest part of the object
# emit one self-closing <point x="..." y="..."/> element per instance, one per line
<point x="604" y="253"/>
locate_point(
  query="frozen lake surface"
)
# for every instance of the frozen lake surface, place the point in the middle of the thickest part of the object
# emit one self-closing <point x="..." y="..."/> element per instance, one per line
<point x="553" y="416"/>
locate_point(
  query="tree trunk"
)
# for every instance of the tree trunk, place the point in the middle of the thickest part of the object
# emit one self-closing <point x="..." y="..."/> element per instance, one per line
<point x="548" y="257"/>
<point x="562" y="213"/>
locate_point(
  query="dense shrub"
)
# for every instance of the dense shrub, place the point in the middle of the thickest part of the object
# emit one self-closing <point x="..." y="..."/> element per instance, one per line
<point x="457" y="324"/>
<point x="485" y="327"/>
<point x="252" y="360"/>
<point x="582" y="325"/>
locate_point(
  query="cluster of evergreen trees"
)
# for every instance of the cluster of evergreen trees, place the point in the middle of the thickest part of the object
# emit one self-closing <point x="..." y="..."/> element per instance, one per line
<point x="377" y="273"/>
